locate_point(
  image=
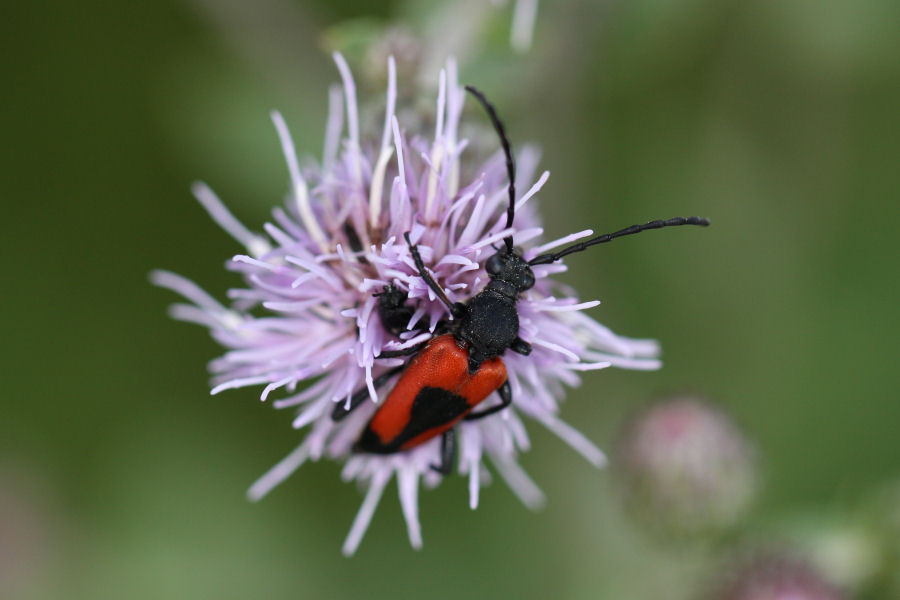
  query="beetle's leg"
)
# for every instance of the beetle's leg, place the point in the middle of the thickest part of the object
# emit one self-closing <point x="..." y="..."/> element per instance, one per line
<point x="505" y="392"/>
<point x="340" y="409"/>
<point x="395" y="315"/>
<point x="475" y="360"/>
<point x="448" y="453"/>
<point x="393" y="309"/>
<point x="457" y="309"/>
<point x="520" y="346"/>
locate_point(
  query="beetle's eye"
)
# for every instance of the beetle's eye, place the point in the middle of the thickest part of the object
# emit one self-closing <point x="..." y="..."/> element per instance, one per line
<point x="527" y="280"/>
<point x="493" y="265"/>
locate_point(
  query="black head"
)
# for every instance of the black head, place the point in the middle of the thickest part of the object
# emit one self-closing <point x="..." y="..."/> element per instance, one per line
<point x="510" y="273"/>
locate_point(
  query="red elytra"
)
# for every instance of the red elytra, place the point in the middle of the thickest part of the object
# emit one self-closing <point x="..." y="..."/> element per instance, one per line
<point x="435" y="392"/>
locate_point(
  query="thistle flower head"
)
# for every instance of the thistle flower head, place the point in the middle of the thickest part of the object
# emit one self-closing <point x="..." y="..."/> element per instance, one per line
<point x="777" y="577"/>
<point x="685" y="467"/>
<point x="304" y="325"/>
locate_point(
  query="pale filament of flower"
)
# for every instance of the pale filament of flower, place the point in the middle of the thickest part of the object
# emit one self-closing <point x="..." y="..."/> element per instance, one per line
<point x="384" y="155"/>
<point x="333" y="127"/>
<point x="455" y="99"/>
<point x="301" y="191"/>
<point x="255" y="244"/>
<point x="352" y="114"/>
<point x="437" y="149"/>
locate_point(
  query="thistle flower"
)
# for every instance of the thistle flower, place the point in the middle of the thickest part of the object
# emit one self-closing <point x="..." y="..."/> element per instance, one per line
<point x="306" y="312"/>
<point x="685" y="468"/>
<point x="777" y="577"/>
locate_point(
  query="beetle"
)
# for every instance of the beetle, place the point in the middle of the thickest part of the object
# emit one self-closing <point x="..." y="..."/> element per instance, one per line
<point x="450" y="374"/>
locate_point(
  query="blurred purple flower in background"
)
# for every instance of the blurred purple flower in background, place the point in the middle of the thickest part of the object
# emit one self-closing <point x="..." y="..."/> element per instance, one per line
<point x="776" y="577"/>
<point x="307" y="311"/>
<point x="685" y="468"/>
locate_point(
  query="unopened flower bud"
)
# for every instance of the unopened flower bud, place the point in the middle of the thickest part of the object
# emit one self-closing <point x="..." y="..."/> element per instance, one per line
<point x="776" y="578"/>
<point x="685" y="468"/>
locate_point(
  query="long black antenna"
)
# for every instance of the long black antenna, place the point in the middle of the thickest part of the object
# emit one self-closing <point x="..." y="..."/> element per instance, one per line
<point x="544" y="259"/>
<point x="510" y="163"/>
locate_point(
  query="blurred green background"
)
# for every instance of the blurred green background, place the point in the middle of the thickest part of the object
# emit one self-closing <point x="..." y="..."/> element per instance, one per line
<point x="121" y="477"/>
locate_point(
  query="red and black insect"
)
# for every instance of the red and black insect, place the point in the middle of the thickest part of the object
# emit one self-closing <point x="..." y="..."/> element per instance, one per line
<point x="455" y="371"/>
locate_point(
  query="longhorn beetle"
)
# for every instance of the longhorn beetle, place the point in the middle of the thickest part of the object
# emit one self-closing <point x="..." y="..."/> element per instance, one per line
<point x="453" y="372"/>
